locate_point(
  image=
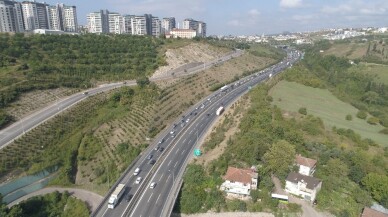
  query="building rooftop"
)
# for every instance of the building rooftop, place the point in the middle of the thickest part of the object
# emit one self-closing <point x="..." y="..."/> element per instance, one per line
<point x="311" y="182"/>
<point x="183" y="30"/>
<point x="240" y="175"/>
<point x="308" y="162"/>
<point x="368" y="212"/>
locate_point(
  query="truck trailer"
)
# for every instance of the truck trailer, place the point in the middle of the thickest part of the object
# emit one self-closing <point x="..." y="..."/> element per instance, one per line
<point x="116" y="195"/>
<point x="220" y="110"/>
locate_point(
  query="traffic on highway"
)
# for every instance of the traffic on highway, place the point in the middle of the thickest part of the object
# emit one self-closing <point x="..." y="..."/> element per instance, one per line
<point x="153" y="181"/>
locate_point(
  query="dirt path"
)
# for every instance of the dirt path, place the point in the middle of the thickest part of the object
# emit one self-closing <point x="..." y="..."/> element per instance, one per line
<point x="307" y="209"/>
<point x="92" y="199"/>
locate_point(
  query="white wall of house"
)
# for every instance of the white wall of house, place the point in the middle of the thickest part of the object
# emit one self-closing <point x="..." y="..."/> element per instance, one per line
<point x="304" y="170"/>
<point x="236" y="188"/>
<point x="300" y="189"/>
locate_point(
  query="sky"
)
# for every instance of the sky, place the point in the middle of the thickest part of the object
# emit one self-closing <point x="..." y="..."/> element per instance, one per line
<point x="249" y="17"/>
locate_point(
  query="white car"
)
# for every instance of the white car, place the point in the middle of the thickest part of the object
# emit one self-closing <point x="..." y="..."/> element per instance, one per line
<point x="137" y="171"/>
<point x="172" y="132"/>
<point x="138" y="180"/>
<point x="187" y="121"/>
<point x="152" y="185"/>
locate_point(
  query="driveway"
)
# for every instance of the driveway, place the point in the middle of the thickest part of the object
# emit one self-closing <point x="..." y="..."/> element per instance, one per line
<point x="92" y="199"/>
<point x="307" y="208"/>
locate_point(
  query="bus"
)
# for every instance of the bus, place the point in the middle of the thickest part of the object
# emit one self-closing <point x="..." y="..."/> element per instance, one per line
<point x="281" y="198"/>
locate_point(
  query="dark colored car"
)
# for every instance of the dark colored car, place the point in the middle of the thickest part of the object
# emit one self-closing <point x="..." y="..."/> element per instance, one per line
<point x="149" y="156"/>
<point x="128" y="197"/>
<point x="161" y="149"/>
<point x="152" y="162"/>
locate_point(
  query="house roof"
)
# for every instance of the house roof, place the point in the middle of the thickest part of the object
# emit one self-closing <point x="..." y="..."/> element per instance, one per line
<point x="240" y="175"/>
<point x="308" y="162"/>
<point x="368" y="212"/>
<point x="311" y="182"/>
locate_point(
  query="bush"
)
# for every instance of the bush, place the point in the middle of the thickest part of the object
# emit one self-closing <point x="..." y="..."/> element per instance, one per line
<point x="373" y="120"/>
<point x="362" y="114"/>
<point x="303" y="111"/>
<point x="349" y="117"/>
<point x="384" y="131"/>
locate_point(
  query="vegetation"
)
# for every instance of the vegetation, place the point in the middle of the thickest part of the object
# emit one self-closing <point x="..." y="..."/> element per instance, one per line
<point x="53" y="204"/>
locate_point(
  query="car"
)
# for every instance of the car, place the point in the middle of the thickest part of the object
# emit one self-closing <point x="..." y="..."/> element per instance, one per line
<point x="128" y="197"/>
<point x="195" y="113"/>
<point x="187" y="121"/>
<point x="156" y="148"/>
<point x="152" y="162"/>
<point x="208" y="114"/>
<point x="172" y="132"/>
<point x="183" y="120"/>
<point x="85" y="93"/>
<point x="161" y="141"/>
<point x="124" y="82"/>
<point x="161" y="149"/>
<point x="183" y="124"/>
<point x="152" y="185"/>
<point x="173" y="135"/>
<point x="138" y="180"/>
<point x="137" y="171"/>
<point x="174" y="125"/>
<point x="149" y="156"/>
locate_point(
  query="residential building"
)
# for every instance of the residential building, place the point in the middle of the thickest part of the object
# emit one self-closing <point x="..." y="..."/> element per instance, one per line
<point x="182" y="33"/>
<point x="35" y="15"/>
<point x="239" y="182"/>
<point x="156" y="25"/>
<point x="198" y="26"/>
<point x="98" y="22"/>
<point x="303" y="186"/>
<point x="69" y="18"/>
<point x="116" y="23"/>
<point x="368" y="212"/>
<point x="168" y="23"/>
<point x="128" y="23"/>
<point x="54" y="17"/>
<point x="139" y="25"/>
<point x="306" y="165"/>
<point x="11" y="17"/>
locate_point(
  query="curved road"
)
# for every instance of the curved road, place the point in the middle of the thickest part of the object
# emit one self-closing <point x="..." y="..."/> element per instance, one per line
<point x="178" y="142"/>
<point x="9" y="134"/>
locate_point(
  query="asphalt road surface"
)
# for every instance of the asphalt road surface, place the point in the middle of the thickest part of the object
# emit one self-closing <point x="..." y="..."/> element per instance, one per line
<point x="9" y="134"/>
<point x="178" y="142"/>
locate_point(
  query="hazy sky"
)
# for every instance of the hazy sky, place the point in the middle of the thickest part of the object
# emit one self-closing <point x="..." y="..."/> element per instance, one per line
<point x="238" y="17"/>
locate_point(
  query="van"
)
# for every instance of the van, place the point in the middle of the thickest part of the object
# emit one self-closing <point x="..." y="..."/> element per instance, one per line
<point x="137" y="171"/>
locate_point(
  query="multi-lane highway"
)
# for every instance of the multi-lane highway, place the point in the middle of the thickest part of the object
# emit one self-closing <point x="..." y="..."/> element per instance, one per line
<point x="178" y="143"/>
<point x="9" y="134"/>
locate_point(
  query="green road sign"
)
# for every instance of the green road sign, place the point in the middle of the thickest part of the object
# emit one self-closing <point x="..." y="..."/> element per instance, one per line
<point x="197" y="152"/>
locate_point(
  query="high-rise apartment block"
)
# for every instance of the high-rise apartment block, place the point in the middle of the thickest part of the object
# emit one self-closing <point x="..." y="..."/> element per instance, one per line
<point x="139" y="25"/>
<point x="116" y="23"/>
<point x="167" y="25"/>
<point x="31" y="15"/>
<point x="11" y="18"/>
<point x="198" y="26"/>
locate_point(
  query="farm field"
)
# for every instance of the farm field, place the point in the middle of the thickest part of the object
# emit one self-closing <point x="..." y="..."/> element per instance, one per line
<point x="348" y="50"/>
<point x="291" y="96"/>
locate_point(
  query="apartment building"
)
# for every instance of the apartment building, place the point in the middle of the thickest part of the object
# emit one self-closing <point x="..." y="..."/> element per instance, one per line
<point x="116" y="23"/>
<point x="139" y="25"/>
<point x="35" y="15"/>
<point x="198" y="26"/>
<point x="168" y="23"/>
<point x="98" y="22"/>
<point x="155" y="26"/>
<point x="11" y="18"/>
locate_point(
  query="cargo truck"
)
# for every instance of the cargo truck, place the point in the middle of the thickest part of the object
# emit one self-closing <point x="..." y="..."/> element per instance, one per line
<point x="220" y="110"/>
<point x="116" y="195"/>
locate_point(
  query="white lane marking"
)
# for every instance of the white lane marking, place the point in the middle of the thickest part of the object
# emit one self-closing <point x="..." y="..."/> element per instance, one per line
<point x="161" y="177"/>
<point x="189" y="141"/>
<point x="201" y="125"/>
<point x="169" y="163"/>
<point x="150" y="198"/>
<point x="157" y="199"/>
<point x="191" y="131"/>
<point x="105" y="212"/>
<point x="177" y="151"/>
<point x="175" y="164"/>
<point x="184" y="140"/>
<point x="183" y="152"/>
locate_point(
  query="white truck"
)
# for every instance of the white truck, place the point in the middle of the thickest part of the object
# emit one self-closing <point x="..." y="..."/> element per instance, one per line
<point x="220" y="110"/>
<point x="116" y="195"/>
<point x="224" y="88"/>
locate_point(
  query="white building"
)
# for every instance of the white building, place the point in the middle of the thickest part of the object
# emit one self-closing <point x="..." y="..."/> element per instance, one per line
<point x="54" y="17"/>
<point x="98" y="22"/>
<point x="306" y="187"/>
<point x="35" y="15"/>
<point x="306" y="165"/>
<point x="11" y="17"/>
<point x="128" y="23"/>
<point x="201" y="30"/>
<point x="116" y="23"/>
<point x="198" y="26"/>
<point x="139" y="25"/>
<point x="167" y="25"/>
<point x="182" y="33"/>
<point x="69" y="18"/>
<point x="239" y="182"/>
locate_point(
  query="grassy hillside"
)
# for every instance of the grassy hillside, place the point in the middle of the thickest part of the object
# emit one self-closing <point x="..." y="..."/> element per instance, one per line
<point x="321" y="103"/>
<point x="378" y="71"/>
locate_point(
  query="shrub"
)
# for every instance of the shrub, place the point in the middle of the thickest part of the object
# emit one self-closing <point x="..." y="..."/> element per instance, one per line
<point x="384" y="131"/>
<point x="349" y="117"/>
<point x="373" y="120"/>
<point x="362" y="114"/>
<point x="303" y="111"/>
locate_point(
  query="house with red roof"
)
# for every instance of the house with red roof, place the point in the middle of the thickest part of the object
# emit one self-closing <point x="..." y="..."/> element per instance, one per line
<point x="239" y="182"/>
<point x="368" y="212"/>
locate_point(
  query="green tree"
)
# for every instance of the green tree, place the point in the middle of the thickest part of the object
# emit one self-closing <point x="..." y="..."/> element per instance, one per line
<point x="279" y="158"/>
<point x="3" y="207"/>
<point x="303" y="111"/>
<point x="362" y="114"/>
<point x="377" y="185"/>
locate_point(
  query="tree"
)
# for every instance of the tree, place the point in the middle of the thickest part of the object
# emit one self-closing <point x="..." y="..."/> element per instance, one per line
<point x="143" y="81"/>
<point x="303" y="111"/>
<point x="348" y="117"/>
<point x="377" y="185"/>
<point x="362" y="114"/>
<point x="279" y="158"/>
<point x="3" y="207"/>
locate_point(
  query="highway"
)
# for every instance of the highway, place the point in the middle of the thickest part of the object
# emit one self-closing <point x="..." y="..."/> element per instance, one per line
<point x="178" y="141"/>
<point x="17" y="129"/>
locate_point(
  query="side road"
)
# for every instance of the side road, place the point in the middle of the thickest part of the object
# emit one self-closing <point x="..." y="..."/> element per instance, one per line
<point x="91" y="198"/>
